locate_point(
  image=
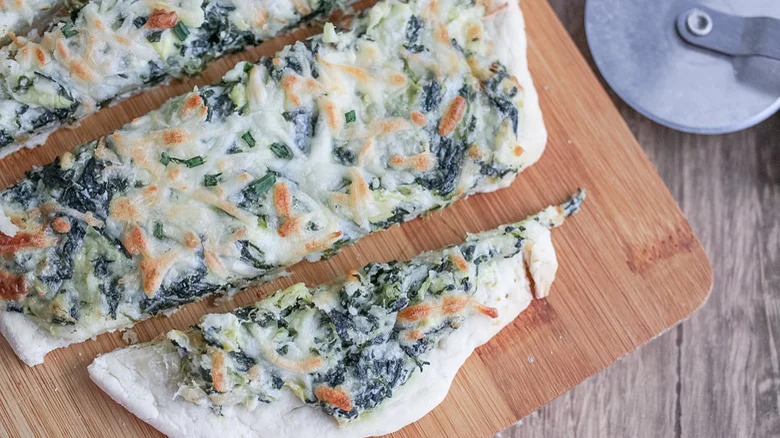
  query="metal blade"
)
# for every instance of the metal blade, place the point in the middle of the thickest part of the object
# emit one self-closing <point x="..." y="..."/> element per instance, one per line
<point x="637" y="48"/>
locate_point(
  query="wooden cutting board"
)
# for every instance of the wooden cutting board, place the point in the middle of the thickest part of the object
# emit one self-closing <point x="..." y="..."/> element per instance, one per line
<point x="630" y="266"/>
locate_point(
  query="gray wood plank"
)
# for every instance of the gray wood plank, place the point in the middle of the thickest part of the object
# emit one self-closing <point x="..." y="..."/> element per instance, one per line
<point x="718" y="373"/>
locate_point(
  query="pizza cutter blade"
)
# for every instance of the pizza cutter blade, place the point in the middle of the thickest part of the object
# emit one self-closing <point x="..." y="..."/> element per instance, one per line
<point x="699" y="66"/>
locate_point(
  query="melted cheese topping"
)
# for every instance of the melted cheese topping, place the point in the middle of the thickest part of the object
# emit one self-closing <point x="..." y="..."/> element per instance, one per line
<point x="350" y="345"/>
<point x="111" y="50"/>
<point x="286" y="159"/>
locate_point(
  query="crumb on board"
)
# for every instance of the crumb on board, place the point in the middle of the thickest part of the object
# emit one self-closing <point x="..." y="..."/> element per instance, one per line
<point x="130" y="336"/>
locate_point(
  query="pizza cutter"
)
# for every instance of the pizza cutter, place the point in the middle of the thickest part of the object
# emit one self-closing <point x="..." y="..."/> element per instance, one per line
<point x="699" y="66"/>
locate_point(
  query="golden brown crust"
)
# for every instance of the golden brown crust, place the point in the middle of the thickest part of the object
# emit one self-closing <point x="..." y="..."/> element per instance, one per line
<point x="359" y="191"/>
<point x="191" y="240"/>
<point x="123" y="209"/>
<point x="135" y="241"/>
<point x="160" y="19"/>
<point x="174" y="136"/>
<point x="153" y="271"/>
<point x="491" y="312"/>
<point x="12" y="286"/>
<point x="419" y="118"/>
<point x="40" y="55"/>
<point x="453" y="116"/>
<point x="460" y="262"/>
<point x="414" y="335"/>
<point x="282" y="199"/>
<point x="330" y="109"/>
<point x="337" y="397"/>
<point x="289" y="227"/>
<point x="323" y="244"/>
<point x="218" y="370"/>
<point x="212" y="260"/>
<point x="454" y="305"/>
<point x="294" y="85"/>
<point x="422" y="162"/>
<point x="388" y="126"/>
<point x="190" y="104"/>
<point x="61" y="225"/>
<point x="9" y="245"/>
<point x="415" y="313"/>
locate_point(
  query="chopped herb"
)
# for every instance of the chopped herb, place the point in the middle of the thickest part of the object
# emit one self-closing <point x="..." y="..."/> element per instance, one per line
<point x="194" y="161"/>
<point x="211" y="180"/>
<point x="68" y="30"/>
<point x="281" y="150"/>
<point x="262" y="222"/>
<point x="181" y="31"/>
<point x="263" y="184"/>
<point x="250" y="141"/>
<point x="350" y="116"/>
<point x="159" y="231"/>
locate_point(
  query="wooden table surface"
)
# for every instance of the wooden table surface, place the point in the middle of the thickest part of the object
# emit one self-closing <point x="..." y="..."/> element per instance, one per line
<point x="717" y="374"/>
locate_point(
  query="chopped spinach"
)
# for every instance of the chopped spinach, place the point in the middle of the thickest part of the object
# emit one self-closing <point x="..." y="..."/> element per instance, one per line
<point x="217" y="100"/>
<point x="431" y="96"/>
<point x="450" y="155"/>
<point x="413" y="28"/>
<point x="242" y="361"/>
<point x="253" y="255"/>
<point x="344" y="155"/>
<point x="185" y="290"/>
<point x="303" y="120"/>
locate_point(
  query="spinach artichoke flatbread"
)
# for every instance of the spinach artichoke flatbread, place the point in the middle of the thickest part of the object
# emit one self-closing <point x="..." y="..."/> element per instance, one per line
<point x="109" y="50"/>
<point x="374" y="351"/>
<point x="421" y="103"/>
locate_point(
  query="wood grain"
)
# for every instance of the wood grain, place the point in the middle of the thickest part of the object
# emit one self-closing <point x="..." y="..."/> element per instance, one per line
<point x="630" y="267"/>
<point x="718" y="373"/>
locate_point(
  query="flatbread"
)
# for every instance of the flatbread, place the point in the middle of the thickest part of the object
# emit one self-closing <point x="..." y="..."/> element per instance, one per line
<point x="31" y="341"/>
<point x="507" y="30"/>
<point x="143" y="379"/>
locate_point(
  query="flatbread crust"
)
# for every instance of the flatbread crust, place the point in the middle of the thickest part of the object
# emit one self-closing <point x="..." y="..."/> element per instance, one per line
<point x="143" y="378"/>
<point x="507" y="31"/>
<point x="31" y="342"/>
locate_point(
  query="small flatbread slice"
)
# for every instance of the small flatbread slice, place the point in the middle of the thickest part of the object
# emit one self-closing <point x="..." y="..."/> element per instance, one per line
<point x="365" y="355"/>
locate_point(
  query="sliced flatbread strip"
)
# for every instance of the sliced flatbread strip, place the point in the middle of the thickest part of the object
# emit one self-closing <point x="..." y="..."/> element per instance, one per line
<point x="290" y="158"/>
<point x="110" y="50"/>
<point x="375" y="351"/>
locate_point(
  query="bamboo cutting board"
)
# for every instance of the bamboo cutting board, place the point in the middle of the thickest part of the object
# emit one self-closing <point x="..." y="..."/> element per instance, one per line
<point x="630" y="266"/>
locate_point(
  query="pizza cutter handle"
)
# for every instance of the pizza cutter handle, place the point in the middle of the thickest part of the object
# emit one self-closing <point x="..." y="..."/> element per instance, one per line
<point x="729" y="34"/>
